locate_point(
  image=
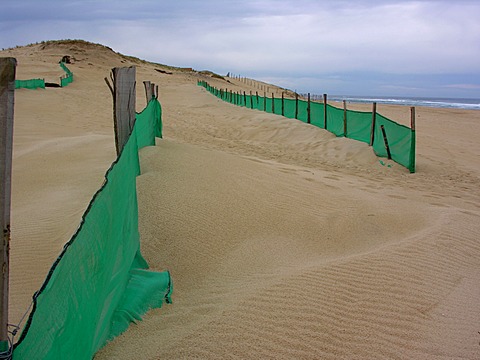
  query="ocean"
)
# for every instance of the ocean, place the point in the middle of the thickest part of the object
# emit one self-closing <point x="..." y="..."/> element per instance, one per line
<point x="469" y="104"/>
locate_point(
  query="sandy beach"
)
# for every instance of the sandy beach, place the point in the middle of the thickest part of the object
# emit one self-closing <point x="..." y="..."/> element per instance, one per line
<point x="283" y="241"/>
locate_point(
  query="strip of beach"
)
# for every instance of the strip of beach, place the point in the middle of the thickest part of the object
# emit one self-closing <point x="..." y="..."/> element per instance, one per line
<point x="282" y="240"/>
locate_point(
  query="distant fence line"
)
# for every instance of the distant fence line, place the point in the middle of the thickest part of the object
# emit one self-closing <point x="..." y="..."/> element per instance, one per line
<point x="388" y="138"/>
<point x="40" y="83"/>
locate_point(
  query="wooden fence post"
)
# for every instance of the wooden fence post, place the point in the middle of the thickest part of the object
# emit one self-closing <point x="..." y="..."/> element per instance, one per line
<point x="325" y="110"/>
<point x="264" y="101"/>
<point x="123" y="104"/>
<point x="148" y="90"/>
<point x="345" y="118"/>
<point x="308" y="109"/>
<point x="251" y="100"/>
<point x="374" y="118"/>
<point x="385" y="140"/>
<point x="273" y="104"/>
<point x="296" y="106"/>
<point x="7" y="96"/>
<point x="412" y="141"/>
<point x="283" y="104"/>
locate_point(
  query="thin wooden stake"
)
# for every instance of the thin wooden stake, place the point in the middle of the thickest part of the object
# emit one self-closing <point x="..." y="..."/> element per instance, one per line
<point x="283" y="104"/>
<point x="325" y="110"/>
<point x="296" y="106"/>
<point x="385" y="140"/>
<point x="308" y="109"/>
<point x="264" y="101"/>
<point x="374" y="118"/>
<point x="273" y="104"/>
<point x="251" y="100"/>
<point x="345" y="118"/>
<point x="413" y="145"/>
<point x="7" y="97"/>
<point x="412" y="118"/>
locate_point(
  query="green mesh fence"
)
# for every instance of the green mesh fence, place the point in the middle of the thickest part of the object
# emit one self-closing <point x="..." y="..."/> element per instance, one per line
<point x="357" y="125"/>
<point x="30" y="84"/>
<point x="99" y="284"/>
<point x="68" y="78"/>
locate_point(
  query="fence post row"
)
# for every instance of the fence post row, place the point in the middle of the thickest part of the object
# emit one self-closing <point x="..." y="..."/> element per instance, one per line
<point x="411" y="165"/>
<point x="7" y="97"/>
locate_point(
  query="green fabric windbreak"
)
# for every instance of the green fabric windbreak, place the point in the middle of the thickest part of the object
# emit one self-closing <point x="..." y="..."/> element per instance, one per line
<point x="316" y="115"/>
<point x="99" y="284"/>
<point x="68" y="78"/>
<point x="335" y="120"/>
<point x="355" y="125"/>
<point x="398" y="140"/>
<point x="30" y="84"/>
<point x="359" y="125"/>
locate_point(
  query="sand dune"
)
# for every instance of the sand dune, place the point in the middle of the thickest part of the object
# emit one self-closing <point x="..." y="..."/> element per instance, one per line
<point x="283" y="241"/>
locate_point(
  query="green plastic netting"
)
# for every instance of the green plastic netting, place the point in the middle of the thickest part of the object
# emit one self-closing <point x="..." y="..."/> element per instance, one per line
<point x="355" y="125"/>
<point x="68" y="78"/>
<point x="99" y="284"/>
<point x="30" y="84"/>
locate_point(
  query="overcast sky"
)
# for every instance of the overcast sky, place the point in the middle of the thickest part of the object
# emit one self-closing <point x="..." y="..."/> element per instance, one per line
<point x="340" y="47"/>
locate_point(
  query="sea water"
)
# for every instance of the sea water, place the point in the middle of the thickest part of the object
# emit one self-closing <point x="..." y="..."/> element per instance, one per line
<point x="469" y="104"/>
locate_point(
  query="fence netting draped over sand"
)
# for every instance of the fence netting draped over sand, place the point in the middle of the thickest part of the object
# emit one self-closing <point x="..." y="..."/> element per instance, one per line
<point x="99" y="283"/>
<point x="355" y="125"/>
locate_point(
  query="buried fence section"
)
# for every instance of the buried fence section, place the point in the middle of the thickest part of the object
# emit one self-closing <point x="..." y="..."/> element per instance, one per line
<point x="99" y="284"/>
<point x="368" y="127"/>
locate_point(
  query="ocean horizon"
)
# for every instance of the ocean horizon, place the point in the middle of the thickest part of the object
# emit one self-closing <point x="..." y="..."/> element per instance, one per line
<point x="454" y="103"/>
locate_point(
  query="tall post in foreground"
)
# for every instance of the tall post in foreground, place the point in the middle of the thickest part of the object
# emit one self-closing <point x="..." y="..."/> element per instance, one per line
<point x="325" y="110"/>
<point x="123" y="104"/>
<point x="7" y="95"/>
<point x="374" y="118"/>
<point x="345" y="118"/>
<point x="412" y="140"/>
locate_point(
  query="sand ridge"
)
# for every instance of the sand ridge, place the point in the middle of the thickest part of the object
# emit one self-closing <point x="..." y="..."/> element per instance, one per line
<point x="283" y="241"/>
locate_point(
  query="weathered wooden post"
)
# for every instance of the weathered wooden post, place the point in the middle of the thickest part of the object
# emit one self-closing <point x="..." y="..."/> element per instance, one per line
<point x="412" y="141"/>
<point x="308" y="109"/>
<point x="148" y="90"/>
<point x="385" y="140"/>
<point x="124" y="94"/>
<point x="345" y="118"/>
<point x="251" y="100"/>
<point x="374" y="118"/>
<point x="325" y="110"/>
<point x="273" y="103"/>
<point x="7" y="95"/>
<point x="283" y="104"/>
<point x="296" y="106"/>
<point x="264" y="101"/>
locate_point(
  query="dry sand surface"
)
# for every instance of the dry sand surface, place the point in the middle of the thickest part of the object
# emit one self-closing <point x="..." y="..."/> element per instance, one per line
<point x="283" y="241"/>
